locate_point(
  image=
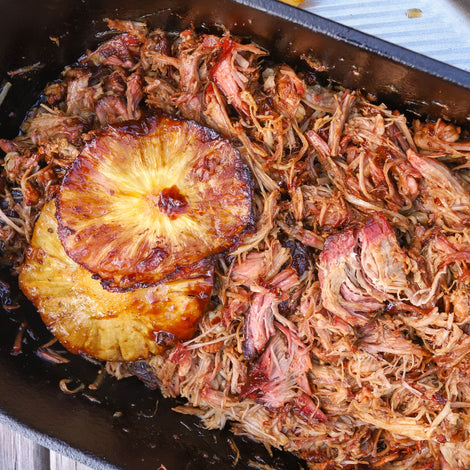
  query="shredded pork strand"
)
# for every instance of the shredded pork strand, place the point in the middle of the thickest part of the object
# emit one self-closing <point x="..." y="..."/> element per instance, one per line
<point x="340" y="324"/>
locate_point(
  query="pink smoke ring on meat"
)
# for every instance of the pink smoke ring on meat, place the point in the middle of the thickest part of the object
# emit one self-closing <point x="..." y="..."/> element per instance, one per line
<point x="361" y="269"/>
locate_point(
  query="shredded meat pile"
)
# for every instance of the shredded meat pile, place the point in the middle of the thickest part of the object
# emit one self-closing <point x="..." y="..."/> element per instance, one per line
<point x="339" y="328"/>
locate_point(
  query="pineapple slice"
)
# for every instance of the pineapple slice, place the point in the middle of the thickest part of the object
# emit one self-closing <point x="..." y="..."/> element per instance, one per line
<point x="110" y="326"/>
<point x="148" y="199"/>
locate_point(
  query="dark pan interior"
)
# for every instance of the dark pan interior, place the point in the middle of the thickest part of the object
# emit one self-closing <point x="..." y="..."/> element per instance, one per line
<point x="117" y="426"/>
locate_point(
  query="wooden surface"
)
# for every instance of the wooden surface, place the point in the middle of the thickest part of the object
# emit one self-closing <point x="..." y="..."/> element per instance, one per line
<point x="19" y="453"/>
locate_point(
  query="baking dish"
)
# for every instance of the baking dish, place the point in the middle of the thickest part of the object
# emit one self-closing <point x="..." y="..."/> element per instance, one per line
<point x="115" y="427"/>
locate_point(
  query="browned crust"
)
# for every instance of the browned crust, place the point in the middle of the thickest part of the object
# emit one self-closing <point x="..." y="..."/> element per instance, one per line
<point x="156" y="260"/>
<point x="90" y="321"/>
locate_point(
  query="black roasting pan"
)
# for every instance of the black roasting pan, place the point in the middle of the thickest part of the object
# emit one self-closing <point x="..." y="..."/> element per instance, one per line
<point x="123" y="425"/>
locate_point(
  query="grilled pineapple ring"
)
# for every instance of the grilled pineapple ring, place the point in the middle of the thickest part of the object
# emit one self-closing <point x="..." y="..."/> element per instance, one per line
<point x="110" y="326"/>
<point x="151" y="198"/>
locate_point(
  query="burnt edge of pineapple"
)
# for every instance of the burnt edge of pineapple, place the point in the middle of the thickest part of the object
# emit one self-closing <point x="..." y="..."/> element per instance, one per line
<point x="121" y="425"/>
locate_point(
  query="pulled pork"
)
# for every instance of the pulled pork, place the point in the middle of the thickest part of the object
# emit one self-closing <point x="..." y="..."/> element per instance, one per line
<point x="340" y="325"/>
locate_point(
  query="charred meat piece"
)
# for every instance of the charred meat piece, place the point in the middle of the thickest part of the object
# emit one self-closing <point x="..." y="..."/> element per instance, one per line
<point x="144" y="372"/>
<point x="279" y="376"/>
<point x="122" y="51"/>
<point x="111" y="110"/>
<point x="270" y="380"/>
